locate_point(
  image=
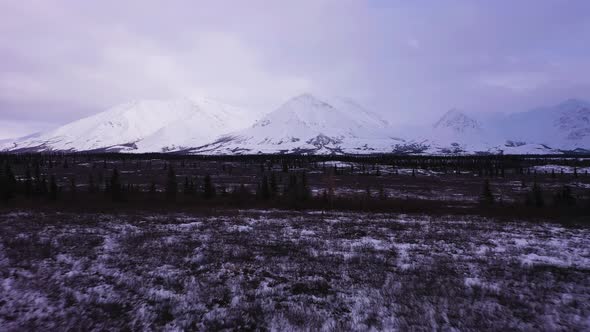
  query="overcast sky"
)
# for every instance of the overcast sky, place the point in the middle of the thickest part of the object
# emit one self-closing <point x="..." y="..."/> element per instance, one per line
<point x="411" y="61"/>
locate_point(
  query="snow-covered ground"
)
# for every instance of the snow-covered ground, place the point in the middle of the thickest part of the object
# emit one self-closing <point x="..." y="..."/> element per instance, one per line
<point x="561" y="168"/>
<point x="290" y="271"/>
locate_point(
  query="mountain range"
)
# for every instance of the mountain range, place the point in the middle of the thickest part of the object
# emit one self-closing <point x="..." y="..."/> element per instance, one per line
<point x="309" y="124"/>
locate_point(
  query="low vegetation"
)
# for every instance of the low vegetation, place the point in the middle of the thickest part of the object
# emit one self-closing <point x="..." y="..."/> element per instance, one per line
<point x="285" y="270"/>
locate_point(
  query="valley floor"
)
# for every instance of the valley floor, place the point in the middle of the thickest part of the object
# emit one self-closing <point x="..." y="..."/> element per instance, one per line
<point x="285" y="270"/>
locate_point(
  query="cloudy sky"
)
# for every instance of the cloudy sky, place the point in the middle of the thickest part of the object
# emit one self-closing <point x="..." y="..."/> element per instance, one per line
<point x="411" y="61"/>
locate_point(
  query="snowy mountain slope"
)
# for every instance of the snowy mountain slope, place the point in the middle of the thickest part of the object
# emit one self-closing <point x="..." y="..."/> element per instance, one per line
<point x="564" y="126"/>
<point x="142" y="126"/>
<point x="458" y="133"/>
<point x="455" y="132"/>
<point x="308" y="124"/>
<point x="554" y="129"/>
<point x="208" y="120"/>
<point x="457" y="122"/>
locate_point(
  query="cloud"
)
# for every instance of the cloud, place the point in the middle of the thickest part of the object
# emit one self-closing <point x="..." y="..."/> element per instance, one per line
<point x="411" y="61"/>
<point x="517" y="82"/>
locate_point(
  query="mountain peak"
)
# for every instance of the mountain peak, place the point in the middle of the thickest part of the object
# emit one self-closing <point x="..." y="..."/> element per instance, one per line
<point x="573" y="103"/>
<point x="306" y="100"/>
<point x="303" y="110"/>
<point x="457" y="121"/>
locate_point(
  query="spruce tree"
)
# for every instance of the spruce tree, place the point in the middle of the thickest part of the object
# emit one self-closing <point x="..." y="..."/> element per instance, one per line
<point x="264" y="188"/>
<point x="274" y="187"/>
<point x="186" y="189"/>
<point x="91" y="184"/>
<point x="382" y="194"/>
<point x="43" y="191"/>
<point x="241" y="193"/>
<point x="535" y="197"/>
<point x="152" y="190"/>
<point x="37" y="187"/>
<point x="73" y="189"/>
<point x="115" y="186"/>
<point x="28" y="184"/>
<point x="486" y="198"/>
<point x="8" y="183"/>
<point x="564" y="197"/>
<point x="208" y="188"/>
<point x="305" y="192"/>
<point x="171" y="184"/>
<point x="53" y="188"/>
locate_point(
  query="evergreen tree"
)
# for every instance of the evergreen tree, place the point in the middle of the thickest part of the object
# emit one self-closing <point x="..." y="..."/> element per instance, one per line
<point x="53" y="188"/>
<point x="564" y="197"/>
<point x="91" y="184"/>
<point x="152" y="190"/>
<point x="486" y="198"/>
<point x="37" y="188"/>
<point x="325" y="198"/>
<point x="208" y="188"/>
<point x="73" y="188"/>
<point x="186" y="189"/>
<point x="382" y="194"/>
<point x="115" y="186"/>
<point x="264" y="189"/>
<point x="28" y="184"/>
<point x="192" y="188"/>
<point x="241" y="193"/>
<point x="171" y="184"/>
<point x="305" y="192"/>
<point x="274" y="187"/>
<point x="368" y="193"/>
<point x="8" y="183"/>
<point x="223" y="191"/>
<point x="535" y="196"/>
<point x="43" y="188"/>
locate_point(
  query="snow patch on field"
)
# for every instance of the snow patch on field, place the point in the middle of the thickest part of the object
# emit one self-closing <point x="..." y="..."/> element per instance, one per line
<point x="290" y="271"/>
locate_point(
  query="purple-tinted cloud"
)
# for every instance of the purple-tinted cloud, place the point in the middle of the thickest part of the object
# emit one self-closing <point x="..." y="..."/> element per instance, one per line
<point x="409" y="60"/>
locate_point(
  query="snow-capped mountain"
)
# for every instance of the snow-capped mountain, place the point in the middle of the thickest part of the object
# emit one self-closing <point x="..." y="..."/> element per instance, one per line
<point x="457" y="122"/>
<point x="141" y="126"/>
<point x="308" y="124"/>
<point x="458" y="133"/>
<point x="455" y="132"/>
<point x="564" y="126"/>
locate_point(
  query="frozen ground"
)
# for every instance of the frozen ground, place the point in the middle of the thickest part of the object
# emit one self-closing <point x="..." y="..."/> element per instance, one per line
<point x="559" y="168"/>
<point x="290" y="271"/>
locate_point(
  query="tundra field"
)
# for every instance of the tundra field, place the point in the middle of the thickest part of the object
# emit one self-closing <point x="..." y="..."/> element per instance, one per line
<point x="282" y="270"/>
<point x="119" y="242"/>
